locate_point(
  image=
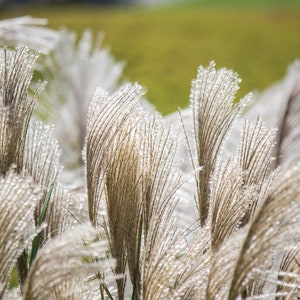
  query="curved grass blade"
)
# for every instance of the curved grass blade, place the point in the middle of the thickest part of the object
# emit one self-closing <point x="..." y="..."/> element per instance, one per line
<point x="36" y="240"/>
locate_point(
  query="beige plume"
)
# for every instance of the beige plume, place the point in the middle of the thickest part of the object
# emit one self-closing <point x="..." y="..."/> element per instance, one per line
<point x="18" y="198"/>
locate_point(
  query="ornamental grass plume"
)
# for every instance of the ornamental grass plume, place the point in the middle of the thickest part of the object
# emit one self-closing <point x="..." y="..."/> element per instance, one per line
<point x="16" y="105"/>
<point x="73" y="255"/>
<point x="266" y="234"/>
<point x="18" y="198"/>
<point x="141" y="176"/>
<point x="289" y="274"/>
<point x="255" y="160"/>
<point x="28" y="31"/>
<point x="230" y="201"/>
<point x="212" y="96"/>
<point x="27" y="143"/>
<point x="247" y="255"/>
<point x="133" y="174"/>
<point x="83" y="66"/>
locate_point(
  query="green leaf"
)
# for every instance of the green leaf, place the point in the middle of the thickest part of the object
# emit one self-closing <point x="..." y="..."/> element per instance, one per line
<point x="36" y="240"/>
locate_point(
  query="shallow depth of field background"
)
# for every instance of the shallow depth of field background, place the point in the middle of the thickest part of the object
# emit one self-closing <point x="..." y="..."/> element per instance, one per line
<point x="163" y="45"/>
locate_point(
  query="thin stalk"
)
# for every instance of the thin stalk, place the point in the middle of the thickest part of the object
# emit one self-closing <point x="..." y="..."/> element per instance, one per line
<point x="107" y="292"/>
<point x="136" y="285"/>
<point x="101" y="291"/>
<point x="103" y="287"/>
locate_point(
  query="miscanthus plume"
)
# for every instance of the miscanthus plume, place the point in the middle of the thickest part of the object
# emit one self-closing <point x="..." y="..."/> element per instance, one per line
<point x="200" y="204"/>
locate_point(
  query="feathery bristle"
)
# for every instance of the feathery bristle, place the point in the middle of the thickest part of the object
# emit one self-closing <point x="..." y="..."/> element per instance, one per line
<point x="57" y="216"/>
<point x="222" y="266"/>
<point x="113" y="172"/>
<point x="75" y="254"/>
<point x="41" y="162"/>
<point x="255" y="161"/>
<point x="28" y="31"/>
<point x="160" y="178"/>
<point x="165" y="269"/>
<point x="16" y="105"/>
<point x="172" y="268"/>
<point x="41" y="154"/>
<point x="104" y="125"/>
<point x="229" y="201"/>
<point x="18" y="198"/>
<point x="82" y="66"/>
<point x="275" y="226"/>
<point x="67" y="290"/>
<point x="124" y="202"/>
<point x="245" y="244"/>
<point x="214" y="111"/>
<point x="289" y="274"/>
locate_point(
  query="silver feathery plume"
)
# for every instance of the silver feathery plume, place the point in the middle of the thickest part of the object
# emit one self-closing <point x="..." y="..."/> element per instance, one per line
<point x="113" y="172"/>
<point x="229" y="201"/>
<point x="18" y="199"/>
<point x="16" y="104"/>
<point x="41" y="161"/>
<point x="275" y="227"/>
<point x="83" y="67"/>
<point x="77" y="254"/>
<point x="255" y="160"/>
<point x="288" y="286"/>
<point x="214" y="110"/>
<point x="28" y="31"/>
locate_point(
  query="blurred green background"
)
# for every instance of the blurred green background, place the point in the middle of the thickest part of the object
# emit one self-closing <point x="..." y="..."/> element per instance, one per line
<point x="163" y="45"/>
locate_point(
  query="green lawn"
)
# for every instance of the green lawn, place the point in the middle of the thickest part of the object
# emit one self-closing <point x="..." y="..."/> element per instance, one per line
<point x="163" y="47"/>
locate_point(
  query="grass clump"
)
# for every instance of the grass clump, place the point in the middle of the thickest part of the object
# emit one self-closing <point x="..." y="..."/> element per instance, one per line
<point x="152" y="210"/>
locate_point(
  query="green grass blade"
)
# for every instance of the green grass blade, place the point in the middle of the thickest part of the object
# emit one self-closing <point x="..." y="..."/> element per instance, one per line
<point x="36" y="240"/>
